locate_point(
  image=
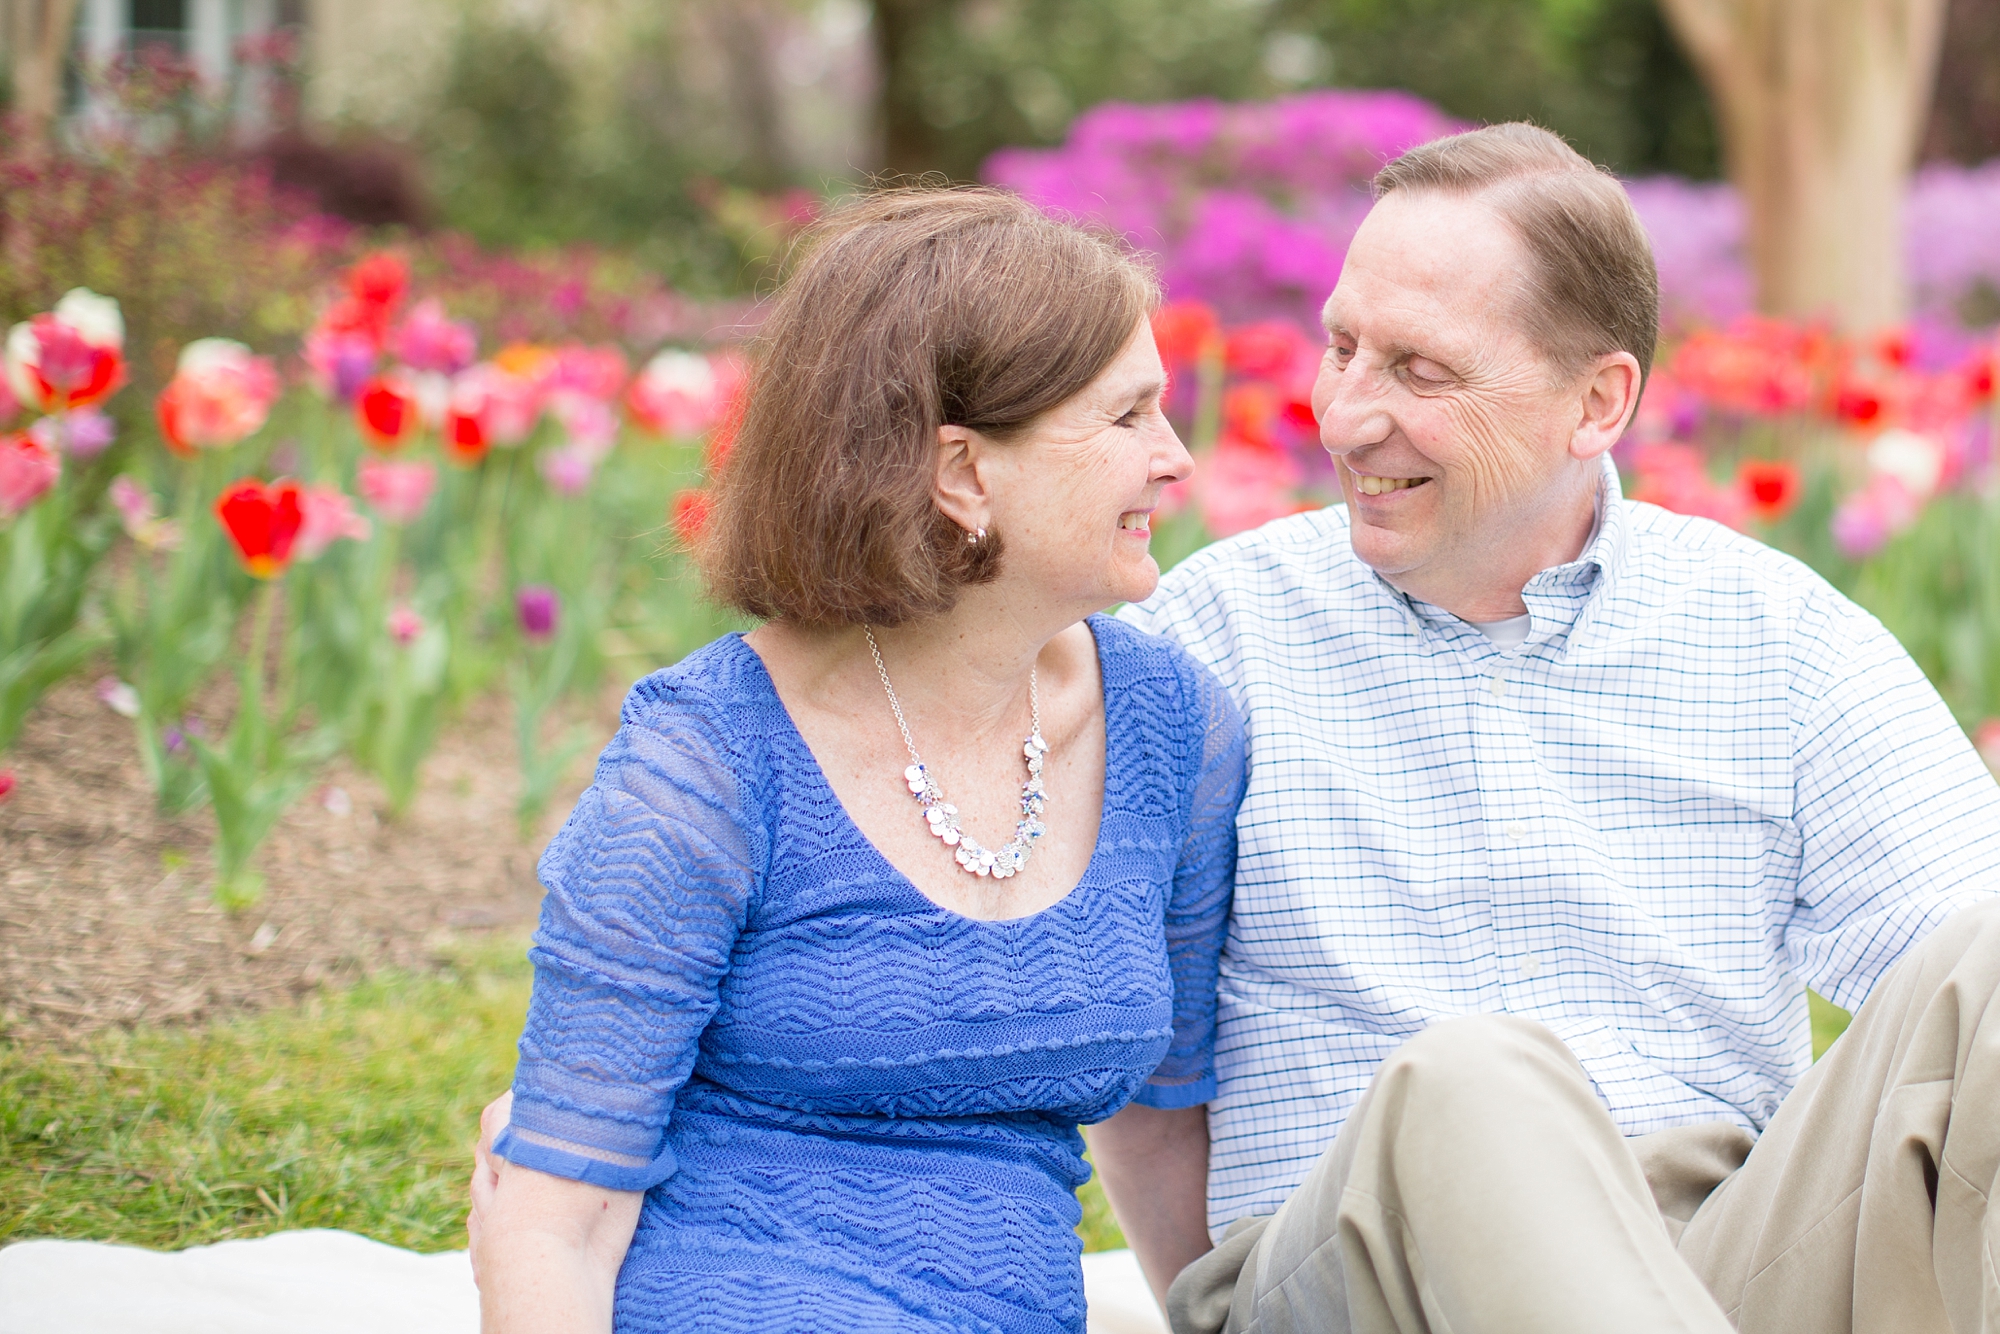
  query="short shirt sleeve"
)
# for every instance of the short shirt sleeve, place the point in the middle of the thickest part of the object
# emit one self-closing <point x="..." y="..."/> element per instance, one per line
<point x="1197" y="917"/>
<point x="649" y="884"/>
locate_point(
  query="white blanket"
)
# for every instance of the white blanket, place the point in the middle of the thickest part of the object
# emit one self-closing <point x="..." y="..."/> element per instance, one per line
<point x="328" y="1282"/>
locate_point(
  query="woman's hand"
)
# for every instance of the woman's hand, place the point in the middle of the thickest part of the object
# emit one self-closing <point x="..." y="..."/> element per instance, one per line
<point x="545" y="1250"/>
<point x="1154" y="1166"/>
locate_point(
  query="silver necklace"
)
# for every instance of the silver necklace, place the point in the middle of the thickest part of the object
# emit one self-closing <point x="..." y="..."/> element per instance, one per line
<point x="942" y="816"/>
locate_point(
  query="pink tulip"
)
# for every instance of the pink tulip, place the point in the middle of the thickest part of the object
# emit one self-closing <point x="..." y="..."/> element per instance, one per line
<point x="221" y="393"/>
<point x="428" y="341"/>
<point x="329" y="517"/>
<point x="69" y="358"/>
<point x="1869" y="517"/>
<point x="1242" y="485"/>
<point x="341" y="361"/>
<point x="594" y="372"/>
<point x="405" y="625"/>
<point x="28" y="468"/>
<point x="140" y="516"/>
<point x="681" y="394"/>
<point x="82" y="433"/>
<point x="567" y="469"/>
<point x="398" y="490"/>
<point x="1986" y="737"/>
<point x="589" y="423"/>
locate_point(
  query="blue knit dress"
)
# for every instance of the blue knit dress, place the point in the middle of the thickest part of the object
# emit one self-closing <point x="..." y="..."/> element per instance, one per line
<point x="852" y="1110"/>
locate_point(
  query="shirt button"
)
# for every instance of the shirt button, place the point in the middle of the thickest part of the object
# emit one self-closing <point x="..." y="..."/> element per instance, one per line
<point x="1499" y="686"/>
<point x="1517" y="832"/>
<point x="1530" y="965"/>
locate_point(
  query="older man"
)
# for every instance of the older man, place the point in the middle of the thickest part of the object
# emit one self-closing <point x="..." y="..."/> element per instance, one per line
<point x="1616" y="782"/>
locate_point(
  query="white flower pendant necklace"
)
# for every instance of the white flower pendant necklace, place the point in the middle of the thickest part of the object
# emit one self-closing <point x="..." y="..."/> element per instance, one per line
<point x="942" y="816"/>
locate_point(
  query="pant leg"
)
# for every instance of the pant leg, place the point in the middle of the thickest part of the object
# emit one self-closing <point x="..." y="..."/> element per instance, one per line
<point x="1830" y="1227"/>
<point x="1479" y="1186"/>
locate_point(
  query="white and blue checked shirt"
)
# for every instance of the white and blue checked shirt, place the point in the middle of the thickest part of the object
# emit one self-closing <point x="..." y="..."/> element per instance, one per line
<point x="1706" y="780"/>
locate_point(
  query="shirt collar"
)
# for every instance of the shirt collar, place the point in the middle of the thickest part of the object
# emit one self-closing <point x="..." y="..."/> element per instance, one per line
<point x="1557" y="595"/>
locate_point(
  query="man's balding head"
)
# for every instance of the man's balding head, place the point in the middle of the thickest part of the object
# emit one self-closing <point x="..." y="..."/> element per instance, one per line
<point x="1593" y="287"/>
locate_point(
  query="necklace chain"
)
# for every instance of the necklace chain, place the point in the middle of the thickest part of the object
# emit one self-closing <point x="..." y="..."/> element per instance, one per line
<point x="942" y="816"/>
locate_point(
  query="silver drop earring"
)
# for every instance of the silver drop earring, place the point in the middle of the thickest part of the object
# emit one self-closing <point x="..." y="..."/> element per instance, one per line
<point x="973" y="539"/>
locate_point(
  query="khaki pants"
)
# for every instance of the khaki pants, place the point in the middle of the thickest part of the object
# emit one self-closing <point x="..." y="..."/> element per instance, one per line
<point x="1481" y="1186"/>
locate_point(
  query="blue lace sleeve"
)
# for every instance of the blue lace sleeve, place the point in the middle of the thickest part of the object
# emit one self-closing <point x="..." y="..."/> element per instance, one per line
<point x="648" y="886"/>
<point x="1204" y="881"/>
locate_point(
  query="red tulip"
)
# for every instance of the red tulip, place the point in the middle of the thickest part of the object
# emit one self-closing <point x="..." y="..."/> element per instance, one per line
<point x="263" y="520"/>
<point x="1771" y="486"/>
<point x="387" y="412"/>
<point x="1185" y="331"/>
<point x="6" y="783"/>
<point x="690" y="515"/>
<point x="464" y="437"/>
<point x="379" y="279"/>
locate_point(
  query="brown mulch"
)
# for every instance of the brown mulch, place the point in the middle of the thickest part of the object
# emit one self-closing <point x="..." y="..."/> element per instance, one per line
<point x="105" y="916"/>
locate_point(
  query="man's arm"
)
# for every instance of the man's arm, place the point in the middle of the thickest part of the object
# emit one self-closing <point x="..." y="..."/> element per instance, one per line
<point x="1154" y="1166"/>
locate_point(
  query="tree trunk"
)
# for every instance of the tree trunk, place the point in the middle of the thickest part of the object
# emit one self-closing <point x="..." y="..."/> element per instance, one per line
<point x="38" y="37"/>
<point x="909" y="144"/>
<point x="744" y="29"/>
<point x="1821" y="104"/>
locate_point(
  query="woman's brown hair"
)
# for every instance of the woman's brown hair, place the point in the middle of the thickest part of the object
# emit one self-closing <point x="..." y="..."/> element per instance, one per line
<point x="909" y="310"/>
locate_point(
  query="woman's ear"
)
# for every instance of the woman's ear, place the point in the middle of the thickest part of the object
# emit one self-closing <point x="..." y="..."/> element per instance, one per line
<point x="959" y="488"/>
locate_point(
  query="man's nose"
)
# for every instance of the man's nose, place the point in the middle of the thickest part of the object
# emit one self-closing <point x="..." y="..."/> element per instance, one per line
<point x="1351" y="413"/>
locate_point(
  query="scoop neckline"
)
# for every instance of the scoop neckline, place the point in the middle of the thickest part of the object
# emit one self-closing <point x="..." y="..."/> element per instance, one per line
<point x="908" y="885"/>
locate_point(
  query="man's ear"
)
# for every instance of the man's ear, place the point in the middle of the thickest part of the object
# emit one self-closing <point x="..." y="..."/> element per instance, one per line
<point x="1609" y="400"/>
<point x="958" y="487"/>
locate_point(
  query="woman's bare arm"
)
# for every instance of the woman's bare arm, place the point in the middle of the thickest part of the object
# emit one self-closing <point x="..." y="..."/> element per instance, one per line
<point x="1154" y="1166"/>
<point x="545" y="1250"/>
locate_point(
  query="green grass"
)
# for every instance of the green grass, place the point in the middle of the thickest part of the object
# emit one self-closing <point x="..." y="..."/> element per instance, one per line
<point x="355" y="1110"/>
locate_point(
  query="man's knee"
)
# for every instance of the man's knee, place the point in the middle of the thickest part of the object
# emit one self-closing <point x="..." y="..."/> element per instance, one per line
<point x="1970" y="936"/>
<point x="1481" y="1050"/>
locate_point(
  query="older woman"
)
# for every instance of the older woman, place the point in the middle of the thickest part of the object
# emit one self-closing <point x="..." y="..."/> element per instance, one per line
<point x="868" y="909"/>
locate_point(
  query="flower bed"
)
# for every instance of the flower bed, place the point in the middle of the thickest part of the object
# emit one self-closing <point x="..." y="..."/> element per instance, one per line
<point x="403" y="528"/>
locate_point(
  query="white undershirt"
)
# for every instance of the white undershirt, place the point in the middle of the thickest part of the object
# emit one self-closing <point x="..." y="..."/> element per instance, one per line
<point x="1510" y="633"/>
<point x="1513" y="632"/>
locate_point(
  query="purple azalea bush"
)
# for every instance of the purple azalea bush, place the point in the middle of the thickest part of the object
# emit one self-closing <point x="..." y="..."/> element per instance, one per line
<point x="1249" y="207"/>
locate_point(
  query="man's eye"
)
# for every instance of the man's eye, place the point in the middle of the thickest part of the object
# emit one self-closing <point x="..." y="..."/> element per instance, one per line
<point x="1428" y="371"/>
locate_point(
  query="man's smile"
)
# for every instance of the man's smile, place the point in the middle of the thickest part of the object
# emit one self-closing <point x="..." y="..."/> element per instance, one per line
<point x="1382" y="486"/>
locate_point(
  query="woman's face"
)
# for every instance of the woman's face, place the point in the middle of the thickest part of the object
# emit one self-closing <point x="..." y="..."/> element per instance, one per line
<point x="1075" y="495"/>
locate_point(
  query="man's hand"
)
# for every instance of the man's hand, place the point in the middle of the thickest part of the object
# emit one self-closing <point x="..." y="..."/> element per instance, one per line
<point x="485" y="1173"/>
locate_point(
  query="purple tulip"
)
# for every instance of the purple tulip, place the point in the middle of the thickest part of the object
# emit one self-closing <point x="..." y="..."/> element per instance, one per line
<point x="537" y="606"/>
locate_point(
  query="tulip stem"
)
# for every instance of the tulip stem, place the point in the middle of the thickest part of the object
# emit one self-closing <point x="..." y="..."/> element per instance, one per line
<point x="260" y="639"/>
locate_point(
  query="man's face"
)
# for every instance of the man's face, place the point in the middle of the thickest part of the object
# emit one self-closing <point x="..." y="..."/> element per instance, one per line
<point x="1450" y="429"/>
